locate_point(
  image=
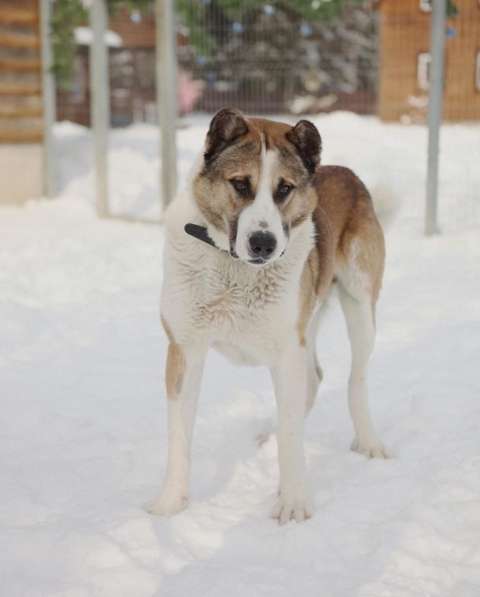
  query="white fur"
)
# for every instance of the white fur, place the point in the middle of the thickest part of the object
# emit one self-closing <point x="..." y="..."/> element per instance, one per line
<point x="211" y="299"/>
<point x="355" y="299"/>
<point x="361" y="331"/>
<point x="290" y="382"/>
<point x="262" y="210"/>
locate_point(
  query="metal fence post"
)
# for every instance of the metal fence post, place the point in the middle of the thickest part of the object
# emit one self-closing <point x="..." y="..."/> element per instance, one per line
<point x="166" y="97"/>
<point x="100" y="102"/>
<point x="48" y="99"/>
<point x="435" y="101"/>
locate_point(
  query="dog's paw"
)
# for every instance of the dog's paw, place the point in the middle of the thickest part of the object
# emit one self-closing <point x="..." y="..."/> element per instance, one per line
<point x="167" y="504"/>
<point x="370" y="449"/>
<point x="293" y="506"/>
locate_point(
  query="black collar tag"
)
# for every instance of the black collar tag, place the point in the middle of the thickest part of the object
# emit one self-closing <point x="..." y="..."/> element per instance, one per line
<point x="201" y="233"/>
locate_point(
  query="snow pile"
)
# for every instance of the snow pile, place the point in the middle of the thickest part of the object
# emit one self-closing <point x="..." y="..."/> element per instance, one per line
<point x="83" y="435"/>
<point x="390" y="158"/>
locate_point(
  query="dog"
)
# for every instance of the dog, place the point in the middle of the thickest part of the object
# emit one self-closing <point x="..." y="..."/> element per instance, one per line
<point x="253" y="247"/>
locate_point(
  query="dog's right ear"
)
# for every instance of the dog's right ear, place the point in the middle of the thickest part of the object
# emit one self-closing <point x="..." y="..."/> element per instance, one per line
<point x="226" y="126"/>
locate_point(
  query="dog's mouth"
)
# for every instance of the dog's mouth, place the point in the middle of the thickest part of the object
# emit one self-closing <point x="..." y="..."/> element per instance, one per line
<point x="258" y="261"/>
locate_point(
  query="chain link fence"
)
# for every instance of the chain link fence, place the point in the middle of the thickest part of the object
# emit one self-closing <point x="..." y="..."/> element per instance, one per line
<point x="272" y="58"/>
<point x="296" y="57"/>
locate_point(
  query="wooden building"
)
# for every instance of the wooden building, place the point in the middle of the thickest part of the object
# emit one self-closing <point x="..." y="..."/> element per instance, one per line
<point x="131" y="69"/>
<point x="404" y="43"/>
<point x="21" y="124"/>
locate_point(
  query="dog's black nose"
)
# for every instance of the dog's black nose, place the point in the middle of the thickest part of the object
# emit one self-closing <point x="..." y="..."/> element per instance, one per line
<point x="262" y="244"/>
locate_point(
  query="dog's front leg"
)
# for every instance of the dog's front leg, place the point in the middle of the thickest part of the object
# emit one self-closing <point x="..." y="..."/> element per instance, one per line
<point x="183" y="378"/>
<point x="290" y="382"/>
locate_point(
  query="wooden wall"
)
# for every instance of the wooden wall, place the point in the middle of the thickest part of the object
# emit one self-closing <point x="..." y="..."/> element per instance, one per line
<point x="20" y="72"/>
<point x="462" y="99"/>
<point x="404" y="34"/>
<point x="134" y="33"/>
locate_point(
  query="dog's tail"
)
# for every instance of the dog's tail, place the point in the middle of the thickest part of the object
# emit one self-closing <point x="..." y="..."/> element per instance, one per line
<point x="387" y="204"/>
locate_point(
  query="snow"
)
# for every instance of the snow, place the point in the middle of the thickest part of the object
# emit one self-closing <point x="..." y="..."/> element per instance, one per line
<point x="84" y="37"/>
<point x="83" y="429"/>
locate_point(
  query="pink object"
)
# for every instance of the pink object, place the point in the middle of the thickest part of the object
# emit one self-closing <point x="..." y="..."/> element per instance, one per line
<point x="189" y="91"/>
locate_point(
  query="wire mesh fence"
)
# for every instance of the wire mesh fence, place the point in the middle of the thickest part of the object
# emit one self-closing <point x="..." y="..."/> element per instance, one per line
<point x="282" y="57"/>
<point x="294" y="57"/>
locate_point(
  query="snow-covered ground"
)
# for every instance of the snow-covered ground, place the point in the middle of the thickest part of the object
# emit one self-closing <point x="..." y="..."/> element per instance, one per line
<point x="83" y="438"/>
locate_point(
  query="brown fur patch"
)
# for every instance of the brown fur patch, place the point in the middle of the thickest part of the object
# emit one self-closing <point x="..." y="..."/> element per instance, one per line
<point x="308" y="296"/>
<point x="175" y="366"/>
<point x="348" y="235"/>
<point x="215" y="196"/>
<point x="175" y="370"/>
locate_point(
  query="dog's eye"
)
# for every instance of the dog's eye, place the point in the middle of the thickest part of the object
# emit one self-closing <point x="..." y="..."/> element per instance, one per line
<point x="241" y="185"/>
<point x="283" y="190"/>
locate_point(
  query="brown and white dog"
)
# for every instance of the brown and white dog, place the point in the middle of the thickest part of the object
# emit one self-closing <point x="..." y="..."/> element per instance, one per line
<point x="280" y="230"/>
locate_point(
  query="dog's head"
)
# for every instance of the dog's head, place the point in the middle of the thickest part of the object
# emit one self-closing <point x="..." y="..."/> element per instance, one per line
<point x="254" y="186"/>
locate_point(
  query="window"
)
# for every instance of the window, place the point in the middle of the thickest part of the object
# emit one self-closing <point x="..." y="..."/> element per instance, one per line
<point x="423" y="70"/>
<point x="426" y="5"/>
<point x="477" y="72"/>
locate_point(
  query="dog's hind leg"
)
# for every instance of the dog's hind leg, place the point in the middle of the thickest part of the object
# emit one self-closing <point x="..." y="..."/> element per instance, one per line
<point x="359" y="316"/>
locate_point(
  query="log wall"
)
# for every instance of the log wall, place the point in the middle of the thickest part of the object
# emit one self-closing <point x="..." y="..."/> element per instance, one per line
<point x="20" y="72"/>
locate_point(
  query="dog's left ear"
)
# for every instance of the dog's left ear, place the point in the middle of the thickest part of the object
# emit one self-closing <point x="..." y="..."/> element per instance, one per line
<point x="308" y="143"/>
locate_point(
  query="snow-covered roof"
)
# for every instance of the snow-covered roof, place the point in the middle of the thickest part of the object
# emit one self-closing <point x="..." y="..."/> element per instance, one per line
<point x="84" y="36"/>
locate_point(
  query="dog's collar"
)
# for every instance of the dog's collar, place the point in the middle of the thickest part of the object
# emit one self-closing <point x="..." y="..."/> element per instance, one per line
<point x="200" y="232"/>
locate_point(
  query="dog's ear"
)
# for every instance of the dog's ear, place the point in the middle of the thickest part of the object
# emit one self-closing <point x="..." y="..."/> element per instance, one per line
<point x="226" y="126"/>
<point x="308" y="143"/>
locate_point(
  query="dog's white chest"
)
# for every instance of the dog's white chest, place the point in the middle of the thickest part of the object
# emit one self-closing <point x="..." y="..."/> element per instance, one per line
<point x="229" y="300"/>
<point x="209" y="298"/>
<point x="241" y="312"/>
